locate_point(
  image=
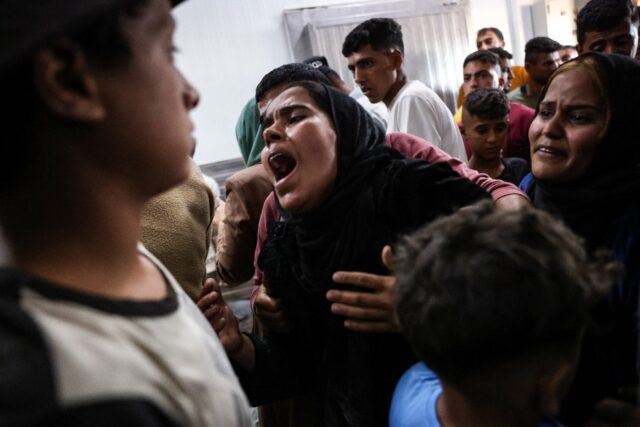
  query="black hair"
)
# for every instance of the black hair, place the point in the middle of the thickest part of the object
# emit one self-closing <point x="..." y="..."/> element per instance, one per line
<point x="102" y="40"/>
<point x="601" y="15"/>
<point x="502" y="53"/>
<point x="484" y="56"/>
<point x="538" y="45"/>
<point x="487" y="103"/>
<point x="286" y="74"/>
<point x="383" y="34"/>
<point x="486" y="286"/>
<point x="497" y="32"/>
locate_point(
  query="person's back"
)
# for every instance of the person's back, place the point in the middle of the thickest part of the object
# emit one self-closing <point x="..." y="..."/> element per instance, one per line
<point x="494" y="303"/>
<point x="94" y="329"/>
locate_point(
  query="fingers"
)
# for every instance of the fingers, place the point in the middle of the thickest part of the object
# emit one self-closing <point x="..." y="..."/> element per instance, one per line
<point x="268" y="310"/>
<point x="359" y="312"/>
<point x="209" y="299"/>
<point x="360" y="299"/>
<point x="359" y="326"/>
<point x="373" y="282"/>
<point x="387" y="258"/>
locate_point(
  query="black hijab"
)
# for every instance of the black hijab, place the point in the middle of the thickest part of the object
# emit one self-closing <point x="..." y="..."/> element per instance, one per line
<point x="612" y="182"/>
<point x="377" y="193"/>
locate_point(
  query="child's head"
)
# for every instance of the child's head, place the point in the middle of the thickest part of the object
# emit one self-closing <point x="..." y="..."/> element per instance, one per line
<point x="495" y="303"/>
<point x="93" y="82"/>
<point x="485" y="122"/>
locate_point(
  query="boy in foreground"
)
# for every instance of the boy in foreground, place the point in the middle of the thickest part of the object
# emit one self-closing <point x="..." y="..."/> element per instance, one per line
<point x="93" y="329"/>
<point x="494" y="303"/>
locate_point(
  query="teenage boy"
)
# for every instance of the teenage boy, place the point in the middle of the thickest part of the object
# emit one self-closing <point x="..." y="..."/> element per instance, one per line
<point x="485" y="124"/>
<point x="506" y="66"/>
<point x="567" y="53"/>
<point x="494" y="303"/>
<point x="609" y="26"/>
<point x="541" y="60"/>
<point x="375" y="53"/>
<point x="482" y="70"/>
<point x="94" y="330"/>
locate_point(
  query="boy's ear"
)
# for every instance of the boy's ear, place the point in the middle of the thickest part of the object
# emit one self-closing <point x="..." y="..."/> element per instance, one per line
<point x="65" y="83"/>
<point x="398" y="59"/>
<point x="552" y="387"/>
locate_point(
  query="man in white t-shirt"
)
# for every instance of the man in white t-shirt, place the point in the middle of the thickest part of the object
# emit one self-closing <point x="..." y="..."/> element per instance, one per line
<point x="375" y="52"/>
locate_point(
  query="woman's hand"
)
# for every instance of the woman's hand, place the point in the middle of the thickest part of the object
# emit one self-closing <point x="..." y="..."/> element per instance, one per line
<point x="238" y="346"/>
<point x="269" y="311"/>
<point x="366" y="311"/>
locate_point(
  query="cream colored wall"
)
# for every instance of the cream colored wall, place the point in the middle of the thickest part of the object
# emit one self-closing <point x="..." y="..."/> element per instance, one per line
<point x="227" y="46"/>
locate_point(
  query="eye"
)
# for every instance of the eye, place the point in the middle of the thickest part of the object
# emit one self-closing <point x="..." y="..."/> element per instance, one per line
<point x="580" y="118"/>
<point x="295" y="118"/>
<point x="367" y="63"/>
<point x="501" y="128"/>
<point x="545" y="113"/>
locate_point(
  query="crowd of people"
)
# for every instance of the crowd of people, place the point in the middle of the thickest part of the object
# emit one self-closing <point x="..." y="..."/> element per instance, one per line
<point x="410" y="266"/>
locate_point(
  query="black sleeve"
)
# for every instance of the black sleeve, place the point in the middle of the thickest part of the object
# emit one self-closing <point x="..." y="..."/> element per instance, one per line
<point x="121" y="413"/>
<point x="26" y="376"/>
<point x="418" y="192"/>
<point x="279" y="372"/>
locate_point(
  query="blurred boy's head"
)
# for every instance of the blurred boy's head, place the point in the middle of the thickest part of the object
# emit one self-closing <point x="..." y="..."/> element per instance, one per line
<point x="495" y="303"/>
<point x="93" y="84"/>
<point x="485" y="122"/>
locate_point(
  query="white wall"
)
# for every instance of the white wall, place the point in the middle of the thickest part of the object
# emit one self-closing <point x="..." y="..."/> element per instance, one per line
<point x="227" y="46"/>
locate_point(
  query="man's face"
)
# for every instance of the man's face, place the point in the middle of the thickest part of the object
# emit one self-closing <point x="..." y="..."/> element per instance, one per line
<point x="478" y="74"/>
<point x="567" y="54"/>
<point x="541" y="69"/>
<point x="147" y="103"/>
<point x="487" y="40"/>
<point x="485" y="136"/>
<point x="622" y="39"/>
<point x="506" y="67"/>
<point x="375" y="72"/>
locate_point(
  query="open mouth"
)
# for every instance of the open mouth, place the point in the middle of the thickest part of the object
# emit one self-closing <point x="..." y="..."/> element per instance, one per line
<point x="544" y="149"/>
<point x="281" y="164"/>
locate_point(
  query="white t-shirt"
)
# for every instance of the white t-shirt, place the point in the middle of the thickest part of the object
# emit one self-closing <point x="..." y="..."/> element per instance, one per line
<point x="419" y="111"/>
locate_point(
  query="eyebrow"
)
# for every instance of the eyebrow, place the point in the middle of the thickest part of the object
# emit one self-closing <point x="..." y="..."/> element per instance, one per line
<point x="573" y="106"/>
<point x="359" y="62"/>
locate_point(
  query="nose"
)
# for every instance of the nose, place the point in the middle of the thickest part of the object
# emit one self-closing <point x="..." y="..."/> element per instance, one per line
<point x="272" y="134"/>
<point x="190" y="95"/>
<point x="491" y="137"/>
<point x="473" y="83"/>
<point x="358" y="76"/>
<point x="553" y="127"/>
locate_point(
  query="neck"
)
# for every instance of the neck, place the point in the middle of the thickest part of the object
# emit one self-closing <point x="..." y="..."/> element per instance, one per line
<point x="77" y="227"/>
<point x="533" y="87"/>
<point x="492" y="167"/>
<point x="457" y="410"/>
<point x="401" y="80"/>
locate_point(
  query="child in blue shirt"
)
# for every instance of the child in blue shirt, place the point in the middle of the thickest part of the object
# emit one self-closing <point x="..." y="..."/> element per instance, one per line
<point x="494" y="303"/>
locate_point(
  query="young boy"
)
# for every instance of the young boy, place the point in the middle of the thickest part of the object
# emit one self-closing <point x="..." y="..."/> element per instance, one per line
<point x="494" y="303"/>
<point x="485" y="125"/>
<point x="93" y="329"/>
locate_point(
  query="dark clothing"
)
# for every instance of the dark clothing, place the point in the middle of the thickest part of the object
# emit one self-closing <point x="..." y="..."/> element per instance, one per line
<point x="515" y="169"/>
<point x="378" y="195"/>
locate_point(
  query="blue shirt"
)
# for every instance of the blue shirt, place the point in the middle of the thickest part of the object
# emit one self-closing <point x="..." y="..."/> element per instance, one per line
<point x="415" y="398"/>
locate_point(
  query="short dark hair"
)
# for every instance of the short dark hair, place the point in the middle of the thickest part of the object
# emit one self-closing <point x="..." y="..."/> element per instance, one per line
<point x="102" y="40"/>
<point x="502" y="53"/>
<point x="602" y="15"/>
<point x="484" y="56"/>
<point x="486" y="286"/>
<point x="538" y="45"/>
<point x="286" y="74"/>
<point x="486" y="103"/>
<point x="497" y="32"/>
<point x="381" y="33"/>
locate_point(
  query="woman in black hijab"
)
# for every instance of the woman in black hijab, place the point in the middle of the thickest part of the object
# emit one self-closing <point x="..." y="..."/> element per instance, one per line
<point x="585" y="151"/>
<point x="343" y="196"/>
